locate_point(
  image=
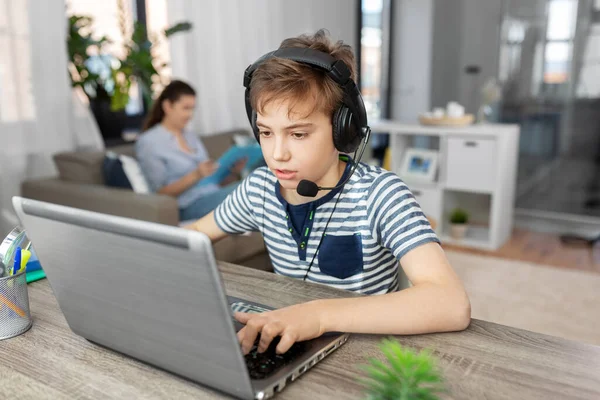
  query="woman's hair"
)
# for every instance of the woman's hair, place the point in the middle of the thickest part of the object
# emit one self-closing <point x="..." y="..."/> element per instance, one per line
<point x="172" y="92"/>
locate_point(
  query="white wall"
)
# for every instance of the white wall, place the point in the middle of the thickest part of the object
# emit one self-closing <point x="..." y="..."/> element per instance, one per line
<point x="412" y="27"/>
<point x="465" y="32"/>
<point x="446" y="53"/>
<point x="479" y="46"/>
<point x="228" y="35"/>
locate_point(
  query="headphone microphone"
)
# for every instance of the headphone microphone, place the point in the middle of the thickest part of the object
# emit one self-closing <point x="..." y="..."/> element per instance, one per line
<point x="308" y="188"/>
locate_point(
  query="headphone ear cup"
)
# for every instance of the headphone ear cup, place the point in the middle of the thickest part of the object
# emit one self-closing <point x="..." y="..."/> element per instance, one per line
<point x="345" y="134"/>
<point x="254" y="127"/>
<point x="337" y="136"/>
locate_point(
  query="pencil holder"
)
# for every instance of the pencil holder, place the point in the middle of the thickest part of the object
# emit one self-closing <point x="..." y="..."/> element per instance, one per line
<point x="15" y="317"/>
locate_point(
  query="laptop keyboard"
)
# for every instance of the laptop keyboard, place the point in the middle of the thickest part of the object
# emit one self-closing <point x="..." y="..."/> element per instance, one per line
<point x="263" y="365"/>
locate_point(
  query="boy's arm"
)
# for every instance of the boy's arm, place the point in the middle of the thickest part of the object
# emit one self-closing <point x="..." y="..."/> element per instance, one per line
<point x="208" y="226"/>
<point x="436" y="302"/>
<point x="234" y="215"/>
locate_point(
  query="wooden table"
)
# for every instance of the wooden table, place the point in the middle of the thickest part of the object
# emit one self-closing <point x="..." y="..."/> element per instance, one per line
<point x="487" y="361"/>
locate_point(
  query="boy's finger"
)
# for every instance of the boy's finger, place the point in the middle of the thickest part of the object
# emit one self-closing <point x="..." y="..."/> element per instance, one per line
<point x="244" y="338"/>
<point x="240" y="334"/>
<point x="242" y="317"/>
<point x="285" y="343"/>
<point x="252" y="329"/>
<point x="267" y="334"/>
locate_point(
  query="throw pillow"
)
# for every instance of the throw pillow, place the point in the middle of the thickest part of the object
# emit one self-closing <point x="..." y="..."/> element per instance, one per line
<point x="134" y="174"/>
<point x="114" y="175"/>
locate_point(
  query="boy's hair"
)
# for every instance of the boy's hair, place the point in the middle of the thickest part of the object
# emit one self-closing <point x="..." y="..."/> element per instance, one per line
<point x="278" y="79"/>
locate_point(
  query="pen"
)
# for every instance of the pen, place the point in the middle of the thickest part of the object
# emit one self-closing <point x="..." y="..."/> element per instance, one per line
<point x="17" y="263"/>
<point x="25" y="254"/>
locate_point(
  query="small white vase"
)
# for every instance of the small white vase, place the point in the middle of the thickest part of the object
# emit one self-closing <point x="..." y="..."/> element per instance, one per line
<point x="458" y="231"/>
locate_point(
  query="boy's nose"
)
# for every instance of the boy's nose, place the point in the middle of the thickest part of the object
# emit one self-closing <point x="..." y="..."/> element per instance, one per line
<point x="280" y="150"/>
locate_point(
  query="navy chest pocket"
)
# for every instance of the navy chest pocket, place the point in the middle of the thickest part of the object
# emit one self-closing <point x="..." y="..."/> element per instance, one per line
<point x="341" y="256"/>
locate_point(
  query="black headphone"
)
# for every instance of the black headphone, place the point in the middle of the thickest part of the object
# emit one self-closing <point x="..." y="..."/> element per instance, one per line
<point x="349" y="120"/>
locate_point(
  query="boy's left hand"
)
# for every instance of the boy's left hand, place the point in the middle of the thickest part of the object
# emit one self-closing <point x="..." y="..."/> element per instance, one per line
<point x="294" y="324"/>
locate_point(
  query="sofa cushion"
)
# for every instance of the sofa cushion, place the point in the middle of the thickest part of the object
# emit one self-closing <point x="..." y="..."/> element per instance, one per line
<point x="80" y="166"/>
<point x="85" y="166"/>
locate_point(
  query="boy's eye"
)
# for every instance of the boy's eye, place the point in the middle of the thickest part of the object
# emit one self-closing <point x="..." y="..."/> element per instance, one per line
<point x="298" y="135"/>
<point x="265" y="133"/>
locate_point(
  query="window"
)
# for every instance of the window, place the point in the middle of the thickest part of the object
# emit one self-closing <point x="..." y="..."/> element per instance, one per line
<point x="113" y="19"/>
<point x="560" y="31"/>
<point x="374" y="56"/>
<point x="374" y="59"/>
<point x="16" y="99"/>
<point x="510" y="49"/>
<point x="156" y="22"/>
<point x="588" y="85"/>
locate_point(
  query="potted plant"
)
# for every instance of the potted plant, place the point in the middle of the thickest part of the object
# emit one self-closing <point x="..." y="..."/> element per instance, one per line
<point x="406" y="375"/>
<point x="458" y="223"/>
<point x="105" y="78"/>
<point x="90" y="68"/>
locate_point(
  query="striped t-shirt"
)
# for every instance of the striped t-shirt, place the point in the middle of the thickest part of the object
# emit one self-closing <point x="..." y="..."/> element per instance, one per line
<point x="375" y="222"/>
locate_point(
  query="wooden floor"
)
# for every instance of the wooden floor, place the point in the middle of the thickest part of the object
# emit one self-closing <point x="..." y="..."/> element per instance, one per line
<point x="543" y="248"/>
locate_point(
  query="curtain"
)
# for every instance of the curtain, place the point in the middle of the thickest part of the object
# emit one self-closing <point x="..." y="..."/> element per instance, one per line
<point x="40" y="114"/>
<point x="228" y="35"/>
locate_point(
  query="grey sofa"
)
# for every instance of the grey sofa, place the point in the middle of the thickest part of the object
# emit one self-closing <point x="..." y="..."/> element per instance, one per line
<point x="80" y="184"/>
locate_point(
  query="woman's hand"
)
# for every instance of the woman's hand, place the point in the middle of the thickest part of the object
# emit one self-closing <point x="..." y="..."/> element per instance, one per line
<point x="206" y="168"/>
<point x="296" y="323"/>
<point x="239" y="166"/>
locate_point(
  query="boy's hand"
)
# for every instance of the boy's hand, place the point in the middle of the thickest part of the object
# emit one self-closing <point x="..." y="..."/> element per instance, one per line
<point x="294" y="324"/>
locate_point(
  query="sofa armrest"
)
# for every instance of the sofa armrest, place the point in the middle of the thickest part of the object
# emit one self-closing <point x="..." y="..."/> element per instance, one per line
<point x="115" y="201"/>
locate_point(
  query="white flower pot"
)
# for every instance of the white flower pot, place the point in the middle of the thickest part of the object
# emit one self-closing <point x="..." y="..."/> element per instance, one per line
<point x="458" y="231"/>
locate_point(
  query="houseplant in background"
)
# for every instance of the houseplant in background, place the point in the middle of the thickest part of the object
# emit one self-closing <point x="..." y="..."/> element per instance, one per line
<point x="458" y="223"/>
<point x="90" y="69"/>
<point x="406" y="375"/>
<point x="106" y="78"/>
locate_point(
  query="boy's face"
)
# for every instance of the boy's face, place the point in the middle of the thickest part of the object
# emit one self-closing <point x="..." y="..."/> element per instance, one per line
<point x="297" y="145"/>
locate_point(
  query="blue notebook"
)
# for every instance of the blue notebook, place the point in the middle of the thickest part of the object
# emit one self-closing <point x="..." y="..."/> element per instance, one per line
<point x="230" y="157"/>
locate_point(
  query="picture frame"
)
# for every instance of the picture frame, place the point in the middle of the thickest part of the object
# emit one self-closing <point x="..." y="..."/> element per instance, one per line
<point x="419" y="165"/>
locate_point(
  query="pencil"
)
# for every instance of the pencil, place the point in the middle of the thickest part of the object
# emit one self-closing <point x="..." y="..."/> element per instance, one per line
<point x="12" y="305"/>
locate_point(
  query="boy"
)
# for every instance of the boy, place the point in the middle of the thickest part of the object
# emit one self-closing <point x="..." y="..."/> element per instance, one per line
<point x="351" y="237"/>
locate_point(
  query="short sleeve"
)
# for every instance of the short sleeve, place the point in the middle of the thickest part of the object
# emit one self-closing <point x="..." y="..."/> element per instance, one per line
<point x="396" y="219"/>
<point x="236" y="214"/>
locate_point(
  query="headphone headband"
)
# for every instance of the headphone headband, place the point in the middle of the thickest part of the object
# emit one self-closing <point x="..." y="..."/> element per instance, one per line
<point x="335" y="69"/>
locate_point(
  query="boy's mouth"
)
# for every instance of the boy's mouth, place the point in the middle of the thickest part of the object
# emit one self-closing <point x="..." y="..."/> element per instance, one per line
<point x="284" y="174"/>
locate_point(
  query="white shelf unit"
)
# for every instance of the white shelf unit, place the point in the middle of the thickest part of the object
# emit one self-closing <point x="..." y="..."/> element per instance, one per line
<point x="476" y="170"/>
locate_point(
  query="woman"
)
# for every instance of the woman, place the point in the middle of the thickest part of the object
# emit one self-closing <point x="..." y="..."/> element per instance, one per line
<point x="174" y="160"/>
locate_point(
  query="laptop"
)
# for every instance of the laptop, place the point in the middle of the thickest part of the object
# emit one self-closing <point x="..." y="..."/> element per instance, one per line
<point x="154" y="292"/>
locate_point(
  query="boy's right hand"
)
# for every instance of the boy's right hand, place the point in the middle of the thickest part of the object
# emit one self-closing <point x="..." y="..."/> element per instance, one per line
<point x="207" y="168"/>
